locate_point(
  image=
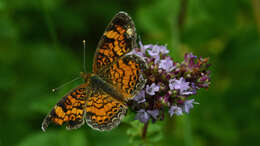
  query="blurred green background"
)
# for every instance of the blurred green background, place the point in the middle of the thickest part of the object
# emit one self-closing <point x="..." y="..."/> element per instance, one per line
<point x="41" y="48"/>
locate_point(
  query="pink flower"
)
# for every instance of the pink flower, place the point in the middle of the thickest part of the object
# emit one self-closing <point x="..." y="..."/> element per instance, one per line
<point x="166" y="64"/>
<point x="180" y="84"/>
<point x="188" y="104"/>
<point x="152" y="89"/>
<point x="142" y="116"/>
<point x="175" y="110"/>
<point x="140" y="97"/>
<point x="154" y="51"/>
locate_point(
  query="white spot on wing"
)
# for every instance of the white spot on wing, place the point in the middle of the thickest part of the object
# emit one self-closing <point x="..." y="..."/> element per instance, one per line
<point x="129" y="31"/>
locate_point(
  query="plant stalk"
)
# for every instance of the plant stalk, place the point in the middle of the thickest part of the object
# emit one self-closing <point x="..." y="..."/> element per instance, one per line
<point x="144" y="133"/>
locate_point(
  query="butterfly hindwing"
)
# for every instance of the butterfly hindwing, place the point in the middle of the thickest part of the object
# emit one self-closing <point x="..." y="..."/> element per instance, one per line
<point x="70" y="110"/>
<point x="118" y="39"/>
<point x="103" y="112"/>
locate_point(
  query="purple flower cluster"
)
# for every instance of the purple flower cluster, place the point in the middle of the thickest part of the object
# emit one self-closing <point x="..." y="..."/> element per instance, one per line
<point x="169" y="83"/>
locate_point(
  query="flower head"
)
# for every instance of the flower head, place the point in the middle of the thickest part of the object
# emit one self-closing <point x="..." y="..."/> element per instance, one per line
<point x="166" y="64"/>
<point x="140" y="97"/>
<point x="152" y="89"/>
<point x="154" y="51"/>
<point x="142" y="116"/>
<point x="188" y="104"/>
<point x="138" y="53"/>
<point x="154" y="113"/>
<point x="175" y="110"/>
<point x="180" y="84"/>
<point x="164" y="50"/>
<point x="169" y="83"/>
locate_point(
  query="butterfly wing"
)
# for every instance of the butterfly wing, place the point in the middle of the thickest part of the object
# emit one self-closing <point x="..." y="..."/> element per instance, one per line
<point x="118" y="39"/>
<point x="103" y="112"/>
<point x="126" y="75"/>
<point x="70" y="110"/>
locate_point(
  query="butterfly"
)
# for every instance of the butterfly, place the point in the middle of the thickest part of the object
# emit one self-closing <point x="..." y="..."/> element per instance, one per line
<point x="117" y="76"/>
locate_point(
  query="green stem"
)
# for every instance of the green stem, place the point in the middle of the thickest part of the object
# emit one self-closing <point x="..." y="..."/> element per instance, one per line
<point x="144" y="133"/>
<point x="187" y="131"/>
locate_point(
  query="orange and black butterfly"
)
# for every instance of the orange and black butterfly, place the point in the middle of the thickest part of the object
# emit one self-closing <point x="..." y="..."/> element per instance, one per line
<point x="101" y="101"/>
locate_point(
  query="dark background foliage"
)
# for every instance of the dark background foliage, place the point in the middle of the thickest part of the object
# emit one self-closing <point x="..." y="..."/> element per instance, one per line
<point x="41" y="48"/>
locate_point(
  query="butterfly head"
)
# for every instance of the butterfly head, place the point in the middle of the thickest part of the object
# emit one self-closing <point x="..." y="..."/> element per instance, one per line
<point x="85" y="76"/>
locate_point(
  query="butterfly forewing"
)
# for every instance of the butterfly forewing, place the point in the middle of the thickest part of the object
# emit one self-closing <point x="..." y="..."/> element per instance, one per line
<point x="118" y="39"/>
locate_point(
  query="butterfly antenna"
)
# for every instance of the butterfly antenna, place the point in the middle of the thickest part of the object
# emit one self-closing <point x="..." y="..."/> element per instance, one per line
<point x="63" y="85"/>
<point x="84" y="55"/>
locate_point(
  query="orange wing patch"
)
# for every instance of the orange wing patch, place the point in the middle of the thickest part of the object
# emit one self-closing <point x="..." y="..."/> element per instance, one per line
<point x="118" y="39"/>
<point x="103" y="112"/>
<point x="126" y="75"/>
<point x="70" y="110"/>
<point x="116" y="48"/>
